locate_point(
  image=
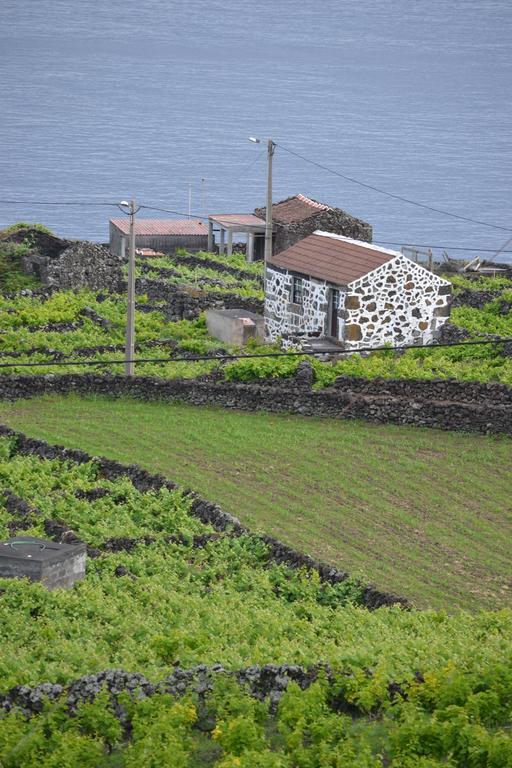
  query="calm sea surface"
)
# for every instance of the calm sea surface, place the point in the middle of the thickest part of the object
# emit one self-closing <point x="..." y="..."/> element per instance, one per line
<point x="103" y="100"/>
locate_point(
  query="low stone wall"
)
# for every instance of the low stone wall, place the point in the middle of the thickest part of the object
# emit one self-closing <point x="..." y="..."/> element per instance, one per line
<point x="269" y="681"/>
<point x="78" y="265"/>
<point x="449" y="405"/>
<point x="474" y="392"/>
<point x="186" y="303"/>
<point x="474" y="299"/>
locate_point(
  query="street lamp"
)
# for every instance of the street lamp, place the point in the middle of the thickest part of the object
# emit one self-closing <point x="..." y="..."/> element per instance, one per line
<point x="129" y="350"/>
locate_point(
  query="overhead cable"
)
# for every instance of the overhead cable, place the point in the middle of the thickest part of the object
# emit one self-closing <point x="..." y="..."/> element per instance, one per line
<point x="205" y="218"/>
<point x="391" y="194"/>
<point x="215" y="358"/>
<point x="55" y="202"/>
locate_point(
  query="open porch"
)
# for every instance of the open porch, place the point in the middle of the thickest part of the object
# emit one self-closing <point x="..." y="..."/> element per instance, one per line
<point x="228" y="224"/>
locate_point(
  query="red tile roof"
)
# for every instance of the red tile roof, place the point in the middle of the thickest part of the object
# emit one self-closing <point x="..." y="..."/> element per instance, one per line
<point x="296" y="208"/>
<point x="337" y="259"/>
<point x="162" y="226"/>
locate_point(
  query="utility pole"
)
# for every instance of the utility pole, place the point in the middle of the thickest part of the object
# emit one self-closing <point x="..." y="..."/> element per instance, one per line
<point x="129" y="365"/>
<point x="268" y="211"/>
<point x="189" y="199"/>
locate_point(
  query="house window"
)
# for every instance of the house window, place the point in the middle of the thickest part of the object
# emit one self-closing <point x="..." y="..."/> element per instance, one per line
<point x="297" y="289"/>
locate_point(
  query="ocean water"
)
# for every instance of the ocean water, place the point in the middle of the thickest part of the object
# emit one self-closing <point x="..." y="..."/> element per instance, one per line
<point x="101" y="101"/>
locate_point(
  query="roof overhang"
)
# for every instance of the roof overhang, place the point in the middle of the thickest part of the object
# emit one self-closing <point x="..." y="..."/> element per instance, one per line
<point x="238" y="222"/>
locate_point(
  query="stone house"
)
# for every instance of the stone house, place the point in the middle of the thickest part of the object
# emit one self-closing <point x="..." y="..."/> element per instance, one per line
<point x="353" y="292"/>
<point x="165" y="235"/>
<point x="299" y="216"/>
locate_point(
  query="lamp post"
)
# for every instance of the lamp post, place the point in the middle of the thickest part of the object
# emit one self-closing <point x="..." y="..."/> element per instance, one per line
<point x="271" y="146"/>
<point x="129" y="349"/>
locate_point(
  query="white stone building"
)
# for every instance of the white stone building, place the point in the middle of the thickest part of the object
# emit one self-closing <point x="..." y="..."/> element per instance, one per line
<point x="356" y="293"/>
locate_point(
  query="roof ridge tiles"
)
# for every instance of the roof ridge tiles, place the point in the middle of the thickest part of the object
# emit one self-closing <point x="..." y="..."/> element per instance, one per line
<point x="359" y="243"/>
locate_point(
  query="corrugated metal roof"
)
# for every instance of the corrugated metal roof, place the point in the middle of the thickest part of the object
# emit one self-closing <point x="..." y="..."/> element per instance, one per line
<point x="296" y="208"/>
<point x="162" y="226"/>
<point x="241" y="219"/>
<point x="337" y="259"/>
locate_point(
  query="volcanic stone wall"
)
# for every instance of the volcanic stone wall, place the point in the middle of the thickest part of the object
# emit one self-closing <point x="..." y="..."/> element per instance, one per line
<point x="79" y="265"/>
<point x="334" y="220"/>
<point x="449" y="405"/>
<point x="187" y="303"/>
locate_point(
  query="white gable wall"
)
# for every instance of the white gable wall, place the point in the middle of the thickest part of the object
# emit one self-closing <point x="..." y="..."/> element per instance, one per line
<point x="398" y="303"/>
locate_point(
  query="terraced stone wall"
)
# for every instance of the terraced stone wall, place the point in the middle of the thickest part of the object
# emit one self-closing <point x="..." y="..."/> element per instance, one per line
<point x="452" y="405"/>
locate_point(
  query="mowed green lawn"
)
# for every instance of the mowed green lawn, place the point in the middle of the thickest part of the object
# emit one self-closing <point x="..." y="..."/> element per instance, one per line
<point x="424" y="513"/>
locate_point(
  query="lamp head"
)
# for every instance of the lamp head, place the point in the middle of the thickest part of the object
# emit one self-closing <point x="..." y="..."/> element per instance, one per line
<point x="254" y="140"/>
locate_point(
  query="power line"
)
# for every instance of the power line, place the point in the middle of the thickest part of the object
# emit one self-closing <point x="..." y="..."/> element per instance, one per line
<point x="444" y="247"/>
<point x="55" y="202"/>
<point x="375" y="242"/>
<point x="212" y="359"/>
<point x="205" y="218"/>
<point x="391" y="194"/>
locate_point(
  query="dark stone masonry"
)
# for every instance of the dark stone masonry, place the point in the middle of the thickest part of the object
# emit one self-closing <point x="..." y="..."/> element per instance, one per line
<point x="327" y="219"/>
<point x="270" y="680"/>
<point x="442" y="404"/>
<point x="78" y="265"/>
<point x="186" y="303"/>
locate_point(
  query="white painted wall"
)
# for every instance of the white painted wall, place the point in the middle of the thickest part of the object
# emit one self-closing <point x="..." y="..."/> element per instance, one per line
<point x="398" y="303"/>
<point x="282" y="317"/>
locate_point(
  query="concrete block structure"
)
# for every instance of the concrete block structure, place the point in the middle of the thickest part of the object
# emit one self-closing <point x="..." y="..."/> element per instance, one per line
<point x="352" y="292"/>
<point x="54" y="565"/>
<point x="165" y="235"/>
<point x="235" y="326"/>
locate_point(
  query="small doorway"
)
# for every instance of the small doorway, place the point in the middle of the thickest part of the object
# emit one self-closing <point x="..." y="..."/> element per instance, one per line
<point x="334" y="304"/>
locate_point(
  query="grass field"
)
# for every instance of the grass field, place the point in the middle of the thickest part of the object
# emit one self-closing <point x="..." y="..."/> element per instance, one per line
<point x="424" y="513"/>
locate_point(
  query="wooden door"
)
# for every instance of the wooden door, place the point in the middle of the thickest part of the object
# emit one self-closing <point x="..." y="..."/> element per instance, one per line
<point x="333" y="313"/>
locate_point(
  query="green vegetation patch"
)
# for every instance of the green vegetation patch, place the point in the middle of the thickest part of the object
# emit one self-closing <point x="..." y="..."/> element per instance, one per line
<point x="422" y="513"/>
<point x="12" y="277"/>
<point x="400" y="688"/>
<point x="456" y="719"/>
